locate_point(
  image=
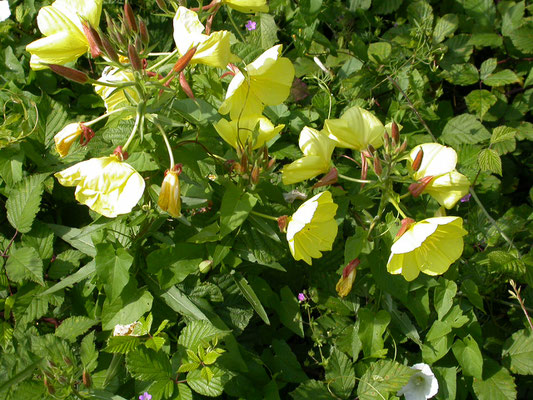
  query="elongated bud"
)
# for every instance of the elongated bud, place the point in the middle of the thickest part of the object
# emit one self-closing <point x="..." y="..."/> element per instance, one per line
<point x="395" y="133"/>
<point x="109" y="22"/>
<point x="377" y="166"/>
<point x="69" y="73"/>
<point x="144" y="32"/>
<point x="403" y="147"/>
<point x="271" y="163"/>
<point x="86" y="378"/>
<point x="162" y="5"/>
<point x="254" y="177"/>
<point x="329" y="179"/>
<point x="119" y="38"/>
<point x="139" y="45"/>
<point x="418" y="160"/>
<point x="86" y="135"/>
<point x="371" y="149"/>
<point x="406" y="223"/>
<point x="95" y="44"/>
<point x="185" y="86"/>
<point x="184" y="60"/>
<point x="283" y="221"/>
<point x="244" y="162"/>
<point x="130" y="17"/>
<point x="205" y="266"/>
<point x="49" y="386"/>
<point x="134" y="58"/>
<point x="364" y="168"/>
<point x="109" y="49"/>
<point x="67" y="360"/>
<point x="386" y="142"/>
<point x="417" y="188"/>
<point x="345" y="283"/>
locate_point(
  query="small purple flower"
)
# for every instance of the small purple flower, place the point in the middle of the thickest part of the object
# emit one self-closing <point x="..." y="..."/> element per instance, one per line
<point x="145" y="396"/>
<point x="301" y="297"/>
<point x="251" y="25"/>
<point x="466" y="198"/>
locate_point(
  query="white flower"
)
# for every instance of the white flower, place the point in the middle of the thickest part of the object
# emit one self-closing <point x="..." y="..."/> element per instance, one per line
<point x="5" y="12"/>
<point x="422" y="385"/>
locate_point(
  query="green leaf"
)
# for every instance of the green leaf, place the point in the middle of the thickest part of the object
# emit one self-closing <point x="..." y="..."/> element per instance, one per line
<point x="469" y="356"/>
<point x="25" y="263"/>
<point x="250" y="296"/>
<point x="461" y="74"/>
<point x="503" y="139"/>
<point x="489" y="160"/>
<point x="311" y="389"/>
<point x="479" y="102"/>
<point x="518" y="352"/>
<point x="289" y="311"/>
<point x="286" y="363"/>
<point x="23" y="202"/>
<point x="501" y="78"/>
<point x="521" y="38"/>
<point x="401" y="320"/>
<point x="506" y="262"/>
<point x="469" y="288"/>
<point x="512" y="18"/>
<point x="198" y="333"/>
<point x="235" y="208"/>
<point x="446" y="25"/>
<point x="148" y="365"/>
<point x="443" y="297"/>
<point x="84" y="272"/>
<point x="11" y="159"/>
<point x="386" y="6"/>
<point x="268" y="30"/>
<point x="88" y="353"/>
<point x="173" y="264"/>
<point x="437" y="348"/>
<point x="78" y="238"/>
<point x="126" y="308"/>
<point x="212" y="388"/>
<point x="122" y="344"/>
<point x="438" y="330"/>
<point x="198" y="111"/>
<point x="464" y="128"/>
<point x="355" y="5"/>
<point x="379" y="52"/>
<point x="383" y="377"/>
<point x="112" y="268"/>
<point x="73" y="327"/>
<point x="487" y="67"/>
<point x="497" y="383"/>
<point x="447" y="378"/>
<point x="371" y="330"/>
<point x="340" y="374"/>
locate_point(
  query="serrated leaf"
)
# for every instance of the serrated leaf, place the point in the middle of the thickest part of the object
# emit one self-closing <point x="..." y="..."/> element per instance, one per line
<point x="198" y="333"/>
<point x="268" y="30"/>
<point x="489" y="160"/>
<point x="73" y="327"/>
<point x="487" y="67"/>
<point x="461" y="74"/>
<point x="518" y="352"/>
<point x="235" y="208"/>
<point x="469" y="356"/>
<point x="250" y="296"/>
<point x="480" y="101"/>
<point x="201" y="385"/>
<point x="503" y="139"/>
<point x="383" y="377"/>
<point x="23" y="202"/>
<point x="148" y="365"/>
<point x="446" y="25"/>
<point x="25" y="263"/>
<point x="464" y="128"/>
<point x="127" y="308"/>
<point x="84" y="272"/>
<point x="56" y="119"/>
<point x="512" y="18"/>
<point x="371" y="330"/>
<point x="112" y="268"/>
<point x="340" y="374"/>
<point x="497" y="383"/>
<point x="501" y="78"/>
<point x="88" y="353"/>
<point x="122" y="344"/>
<point x="522" y="38"/>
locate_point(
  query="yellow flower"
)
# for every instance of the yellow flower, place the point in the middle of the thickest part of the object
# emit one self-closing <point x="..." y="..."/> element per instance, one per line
<point x="447" y="185"/>
<point x="356" y="129"/>
<point x="169" y="196"/>
<point x="345" y="283"/>
<point x="61" y="23"/>
<point x="247" y="6"/>
<point x="114" y="98"/>
<point x="213" y="50"/>
<point x="317" y="149"/>
<point x="312" y="228"/>
<point x="268" y="82"/>
<point x="66" y="137"/>
<point x="106" y="185"/>
<point x="238" y="133"/>
<point x="429" y="246"/>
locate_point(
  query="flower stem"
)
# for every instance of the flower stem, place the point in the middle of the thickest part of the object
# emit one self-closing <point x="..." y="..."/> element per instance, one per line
<point x="101" y="117"/>
<point x="354" y="179"/>
<point x="164" y="60"/>
<point x="138" y="119"/>
<point x="264" y="215"/>
<point x="167" y="143"/>
<point x="235" y="25"/>
<point x="396" y="205"/>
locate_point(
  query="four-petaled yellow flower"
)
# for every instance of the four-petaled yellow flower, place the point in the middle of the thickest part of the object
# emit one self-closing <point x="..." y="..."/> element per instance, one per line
<point x="317" y="149"/>
<point x="429" y="246"/>
<point x="114" y="98"/>
<point x="212" y="50"/>
<point x="65" y="40"/>
<point x="268" y="82"/>
<point x="237" y="133"/>
<point x="312" y="228"/>
<point x="447" y="185"/>
<point x="169" y="196"/>
<point x="247" y="6"/>
<point x="356" y="129"/>
<point x="106" y="185"/>
<point x="66" y="137"/>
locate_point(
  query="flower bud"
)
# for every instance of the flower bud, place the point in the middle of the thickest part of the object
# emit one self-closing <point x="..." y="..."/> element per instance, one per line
<point x="371" y="149"/>
<point x="86" y="378"/>
<point x="109" y="49"/>
<point x="66" y="137"/>
<point x="364" y="168"/>
<point x="403" y="147"/>
<point x="418" y="160"/>
<point x="185" y="86"/>
<point x="377" y="166"/>
<point x="49" y="386"/>
<point x="283" y="221"/>
<point x="95" y="44"/>
<point x="205" y="266"/>
<point x="144" y="32"/>
<point x="69" y="73"/>
<point x="169" y="197"/>
<point x="395" y="133"/>
<point x="254" y="177"/>
<point x="130" y="17"/>
<point x="345" y="283"/>
<point x="329" y="179"/>
<point x="184" y="60"/>
<point x="134" y="58"/>
<point x="162" y="5"/>
<point x="406" y="223"/>
<point x="417" y="188"/>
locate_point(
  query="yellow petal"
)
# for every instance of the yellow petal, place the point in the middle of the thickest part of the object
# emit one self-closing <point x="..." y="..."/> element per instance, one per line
<point x="449" y="188"/>
<point x="247" y="6"/>
<point x="169" y="197"/>
<point x="237" y="134"/>
<point x="74" y="9"/>
<point x="437" y="160"/>
<point x="66" y="137"/>
<point x="59" y="48"/>
<point x="114" y="98"/>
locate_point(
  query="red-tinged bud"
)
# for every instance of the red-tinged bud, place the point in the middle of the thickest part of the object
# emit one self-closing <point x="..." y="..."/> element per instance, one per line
<point x="139" y="45"/>
<point x="364" y="168"/>
<point x="67" y="361"/>
<point x="406" y="223"/>
<point x="329" y="179"/>
<point x="109" y="21"/>
<point x="86" y="378"/>
<point x="244" y="162"/>
<point x="93" y="38"/>
<point x="366" y="153"/>
<point x="69" y="73"/>
<point x="395" y="133"/>
<point x="162" y="5"/>
<point x="120" y="39"/>
<point x="86" y="135"/>
<point x="403" y="147"/>
<point x="371" y="149"/>
<point x="121" y="154"/>
<point x="144" y="32"/>
<point x="109" y="49"/>
<point x="283" y="221"/>
<point x="345" y="283"/>
<point x="130" y="17"/>
<point x="134" y="58"/>
<point x="271" y="163"/>
<point x="185" y="86"/>
<point x="418" y="160"/>
<point x="254" y="176"/>
<point x="184" y="60"/>
<point x="417" y="188"/>
<point x="386" y="142"/>
<point x="49" y="386"/>
<point x="377" y="166"/>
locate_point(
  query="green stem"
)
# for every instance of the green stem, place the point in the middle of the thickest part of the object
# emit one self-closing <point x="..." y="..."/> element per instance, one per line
<point x="396" y="205"/>
<point x="138" y="118"/>
<point x="235" y="25"/>
<point x="101" y="117"/>
<point x="121" y="85"/>
<point x="354" y="179"/>
<point x="264" y="215"/>
<point x="167" y="143"/>
<point x="164" y="60"/>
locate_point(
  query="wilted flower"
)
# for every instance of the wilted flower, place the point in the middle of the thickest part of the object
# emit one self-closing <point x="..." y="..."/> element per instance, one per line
<point x="312" y="228"/>
<point x="268" y="82"/>
<point x="65" y="40"/>
<point x="356" y="129"/>
<point x="437" y="174"/>
<point x="317" y="149"/>
<point x="255" y="129"/>
<point x="114" y="98"/>
<point x="125" y="330"/>
<point x="169" y="196"/>
<point x="145" y="396"/>
<point x="247" y="6"/>
<point x="422" y="385"/>
<point x="429" y="246"/>
<point x="212" y="50"/>
<point x="5" y="12"/>
<point x="105" y="185"/>
<point x="345" y="283"/>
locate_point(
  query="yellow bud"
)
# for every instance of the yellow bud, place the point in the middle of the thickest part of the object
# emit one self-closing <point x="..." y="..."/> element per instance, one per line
<point x="64" y="138"/>
<point x="169" y="197"/>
